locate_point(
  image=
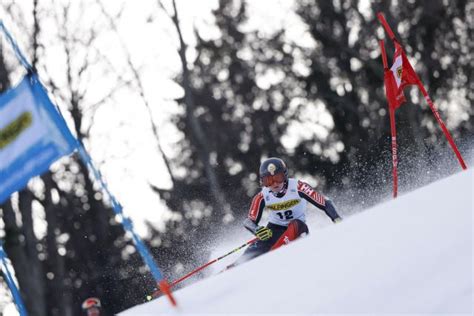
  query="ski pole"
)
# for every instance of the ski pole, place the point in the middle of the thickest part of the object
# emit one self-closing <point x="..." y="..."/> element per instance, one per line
<point x="158" y="292"/>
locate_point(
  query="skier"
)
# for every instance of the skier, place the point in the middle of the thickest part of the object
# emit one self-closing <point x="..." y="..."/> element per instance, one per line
<point x="286" y="198"/>
<point x="92" y="306"/>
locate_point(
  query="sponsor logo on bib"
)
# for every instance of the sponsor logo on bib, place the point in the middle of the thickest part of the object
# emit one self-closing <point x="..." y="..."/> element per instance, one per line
<point x="283" y="205"/>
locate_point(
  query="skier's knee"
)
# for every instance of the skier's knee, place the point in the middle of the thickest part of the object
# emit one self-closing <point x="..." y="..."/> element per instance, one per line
<point x="299" y="227"/>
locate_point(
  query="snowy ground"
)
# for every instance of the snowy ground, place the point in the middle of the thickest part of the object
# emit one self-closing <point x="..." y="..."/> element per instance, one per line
<point x="412" y="255"/>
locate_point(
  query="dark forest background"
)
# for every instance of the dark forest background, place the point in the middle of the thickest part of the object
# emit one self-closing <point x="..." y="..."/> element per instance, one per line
<point x="229" y="121"/>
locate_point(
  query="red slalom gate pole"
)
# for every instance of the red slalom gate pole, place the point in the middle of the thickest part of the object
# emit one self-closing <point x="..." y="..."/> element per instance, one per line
<point x="393" y="129"/>
<point x="169" y="286"/>
<point x="387" y="27"/>
<point x="165" y="288"/>
<point x="442" y="125"/>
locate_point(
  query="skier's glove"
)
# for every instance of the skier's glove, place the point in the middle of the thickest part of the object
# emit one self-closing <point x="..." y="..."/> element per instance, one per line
<point x="337" y="220"/>
<point x="263" y="233"/>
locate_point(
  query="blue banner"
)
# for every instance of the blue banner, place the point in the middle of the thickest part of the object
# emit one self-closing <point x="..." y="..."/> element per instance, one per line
<point x="33" y="135"/>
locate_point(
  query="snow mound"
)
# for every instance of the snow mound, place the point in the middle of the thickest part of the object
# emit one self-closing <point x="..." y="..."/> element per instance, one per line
<point x="409" y="255"/>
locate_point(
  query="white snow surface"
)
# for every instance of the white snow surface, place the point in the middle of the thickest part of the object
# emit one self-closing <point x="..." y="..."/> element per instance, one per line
<point x="411" y="255"/>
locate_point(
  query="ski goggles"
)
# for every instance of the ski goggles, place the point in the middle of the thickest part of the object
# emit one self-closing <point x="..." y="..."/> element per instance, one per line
<point x="269" y="180"/>
<point x="91" y="302"/>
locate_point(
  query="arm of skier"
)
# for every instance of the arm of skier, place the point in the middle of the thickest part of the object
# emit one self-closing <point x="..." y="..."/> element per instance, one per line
<point x="306" y="192"/>
<point x="254" y="216"/>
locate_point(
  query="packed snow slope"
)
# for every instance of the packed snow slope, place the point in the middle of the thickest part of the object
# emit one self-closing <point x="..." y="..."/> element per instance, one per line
<point x="410" y="255"/>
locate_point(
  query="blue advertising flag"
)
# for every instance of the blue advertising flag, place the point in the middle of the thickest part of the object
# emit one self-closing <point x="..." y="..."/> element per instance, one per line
<point x="33" y="135"/>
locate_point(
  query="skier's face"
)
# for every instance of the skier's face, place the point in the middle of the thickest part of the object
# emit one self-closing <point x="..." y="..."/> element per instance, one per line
<point x="274" y="182"/>
<point x="277" y="186"/>
<point x="270" y="181"/>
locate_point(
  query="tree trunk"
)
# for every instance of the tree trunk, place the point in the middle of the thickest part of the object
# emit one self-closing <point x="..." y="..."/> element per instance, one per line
<point x="58" y="292"/>
<point x="35" y="291"/>
<point x="202" y="144"/>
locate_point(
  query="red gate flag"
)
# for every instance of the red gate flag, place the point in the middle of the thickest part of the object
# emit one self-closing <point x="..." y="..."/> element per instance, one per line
<point x="400" y="75"/>
<point x="403" y="73"/>
<point x="392" y="89"/>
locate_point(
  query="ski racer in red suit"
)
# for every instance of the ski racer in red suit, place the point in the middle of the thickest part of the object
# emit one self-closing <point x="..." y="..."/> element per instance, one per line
<point x="286" y="199"/>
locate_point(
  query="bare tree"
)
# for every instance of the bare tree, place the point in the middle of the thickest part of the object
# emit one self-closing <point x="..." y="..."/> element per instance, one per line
<point x="55" y="295"/>
<point x="137" y="80"/>
<point x="204" y="150"/>
<point x="20" y="240"/>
